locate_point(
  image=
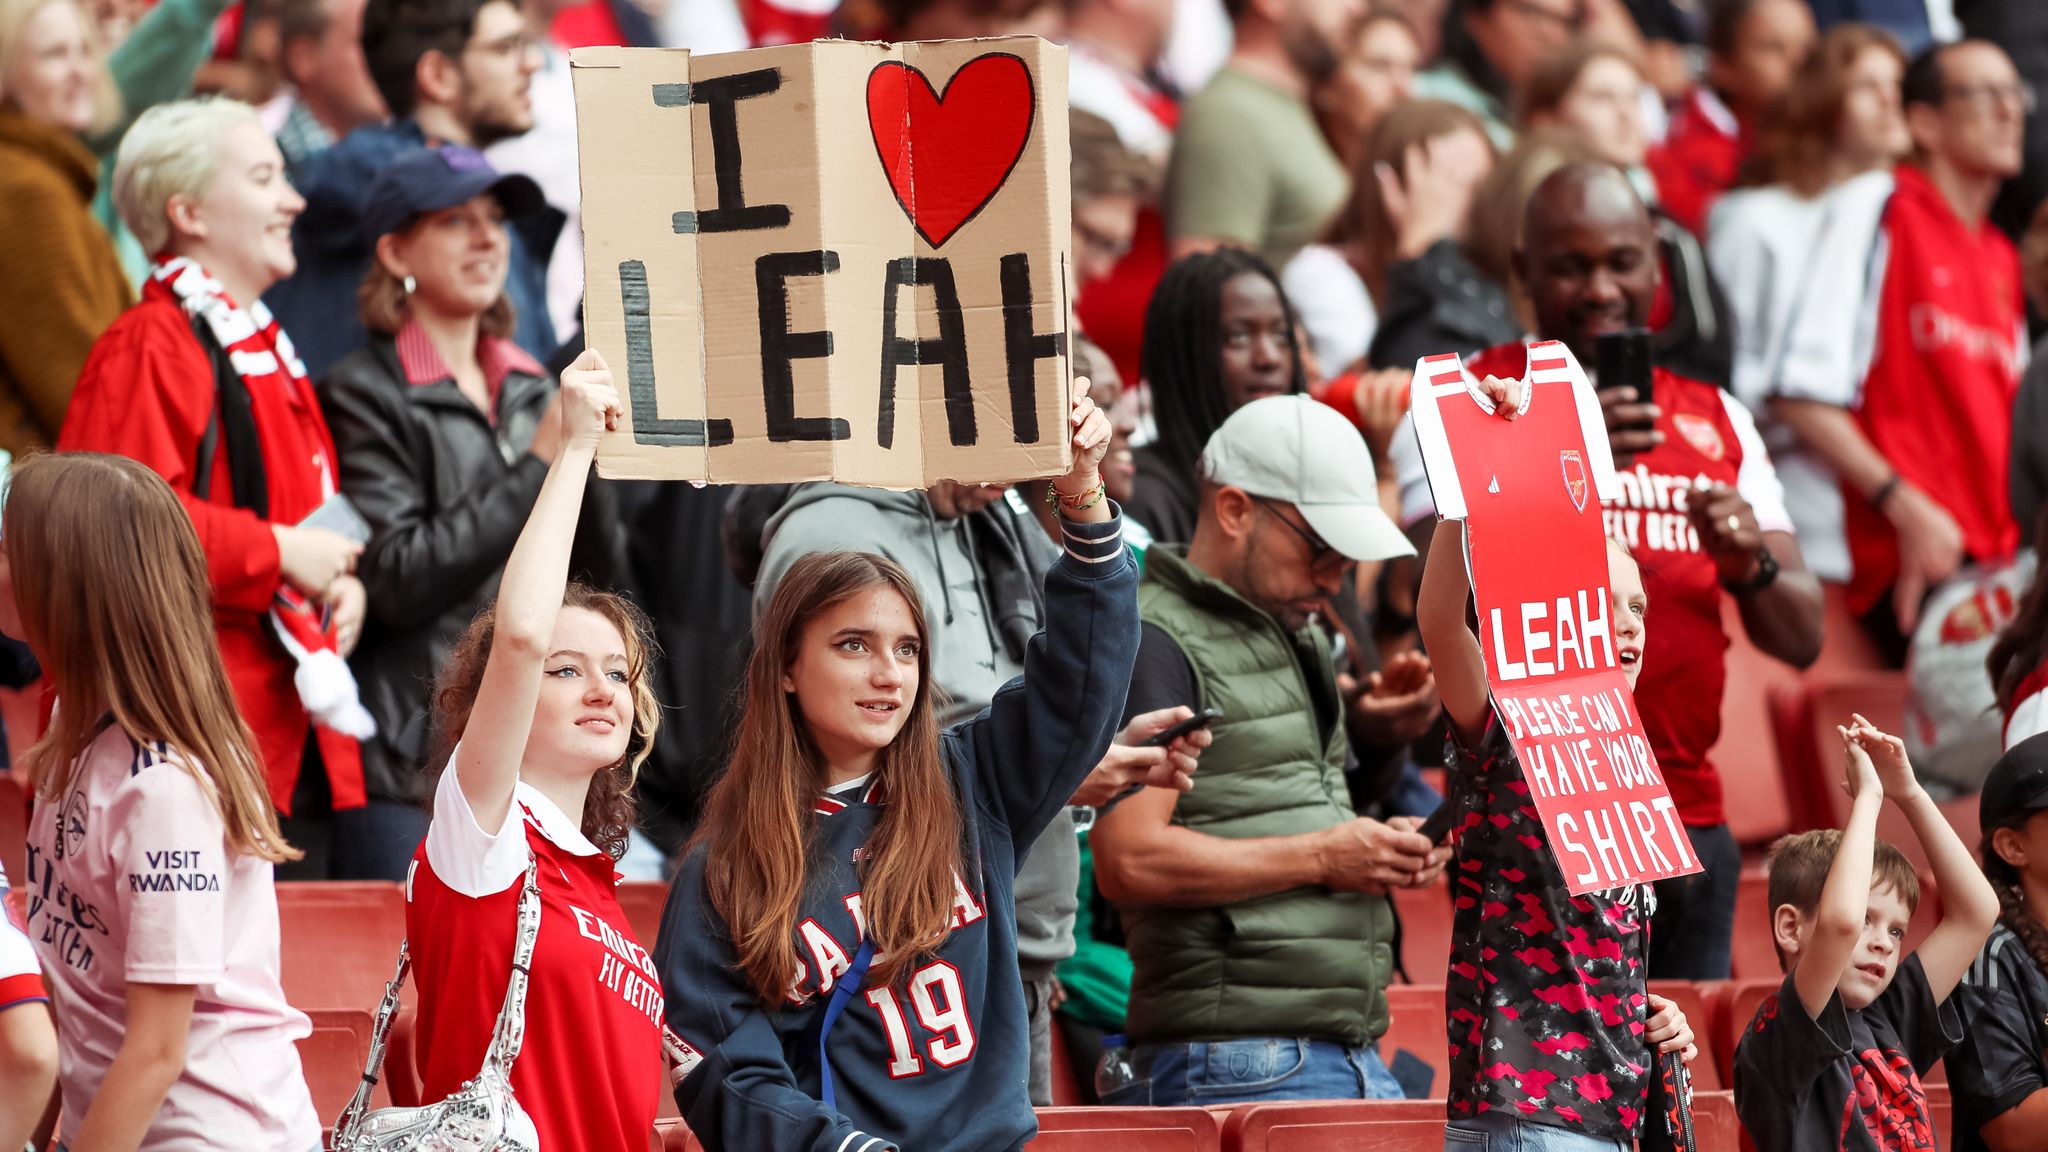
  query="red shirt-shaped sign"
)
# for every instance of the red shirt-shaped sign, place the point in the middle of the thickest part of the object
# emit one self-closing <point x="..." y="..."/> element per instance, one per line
<point x="1529" y="492"/>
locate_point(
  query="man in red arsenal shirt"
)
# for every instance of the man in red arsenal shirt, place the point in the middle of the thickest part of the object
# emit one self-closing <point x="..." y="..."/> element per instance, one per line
<point x="1921" y="446"/>
<point x="1700" y="509"/>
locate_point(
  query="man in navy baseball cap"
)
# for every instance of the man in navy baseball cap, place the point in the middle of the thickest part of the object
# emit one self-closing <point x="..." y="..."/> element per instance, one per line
<point x="430" y="179"/>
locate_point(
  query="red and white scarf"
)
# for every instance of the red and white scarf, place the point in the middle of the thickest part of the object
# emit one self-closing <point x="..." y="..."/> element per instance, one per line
<point x="261" y="354"/>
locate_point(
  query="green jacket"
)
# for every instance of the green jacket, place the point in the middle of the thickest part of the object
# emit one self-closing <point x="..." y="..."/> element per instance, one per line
<point x="1303" y="963"/>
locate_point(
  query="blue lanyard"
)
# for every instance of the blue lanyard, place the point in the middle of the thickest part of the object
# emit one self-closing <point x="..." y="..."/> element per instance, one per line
<point x="849" y="983"/>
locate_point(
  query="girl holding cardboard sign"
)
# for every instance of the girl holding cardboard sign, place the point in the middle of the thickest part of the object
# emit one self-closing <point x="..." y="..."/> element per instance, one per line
<point x="840" y="943"/>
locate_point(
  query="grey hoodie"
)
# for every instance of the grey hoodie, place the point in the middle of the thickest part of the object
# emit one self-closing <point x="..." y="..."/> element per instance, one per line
<point x="979" y="577"/>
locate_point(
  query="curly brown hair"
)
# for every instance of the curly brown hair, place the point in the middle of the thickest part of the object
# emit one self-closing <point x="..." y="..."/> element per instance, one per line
<point x="608" y="811"/>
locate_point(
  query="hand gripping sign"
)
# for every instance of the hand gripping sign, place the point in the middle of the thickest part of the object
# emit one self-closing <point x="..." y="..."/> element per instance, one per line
<point x="834" y="259"/>
<point x="1529" y="492"/>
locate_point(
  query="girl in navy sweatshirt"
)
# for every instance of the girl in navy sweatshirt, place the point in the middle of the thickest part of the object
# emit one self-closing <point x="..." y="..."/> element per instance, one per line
<point x="849" y="833"/>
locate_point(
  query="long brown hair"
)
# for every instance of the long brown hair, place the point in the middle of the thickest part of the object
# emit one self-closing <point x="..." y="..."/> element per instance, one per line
<point x="608" y="809"/>
<point x="1794" y="146"/>
<point x="1364" y="221"/>
<point x="759" y="816"/>
<point x="111" y="585"/>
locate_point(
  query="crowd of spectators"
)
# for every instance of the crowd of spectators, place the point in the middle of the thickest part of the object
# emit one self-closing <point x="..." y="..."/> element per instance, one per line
<point x="283" y="251"/>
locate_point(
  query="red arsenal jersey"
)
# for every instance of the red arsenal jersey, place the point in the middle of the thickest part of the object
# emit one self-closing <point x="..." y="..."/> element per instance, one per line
<point x="1709" y="438"/>
<point x="1938" y="399"/>
<point x="589" y="1070"/>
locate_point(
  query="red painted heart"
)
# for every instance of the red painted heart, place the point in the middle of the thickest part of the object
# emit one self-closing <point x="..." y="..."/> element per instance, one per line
<point x="948" y="153"/>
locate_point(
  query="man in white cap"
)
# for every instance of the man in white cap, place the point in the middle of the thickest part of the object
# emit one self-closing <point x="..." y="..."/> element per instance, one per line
<point x="1255" y="906"/>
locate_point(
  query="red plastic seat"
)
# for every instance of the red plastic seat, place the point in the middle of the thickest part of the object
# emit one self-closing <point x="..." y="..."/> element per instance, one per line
<point x="1715" y="1126"/>
<point x="1337" y="1126"/>
<point x="1066" y="1083"/>
<point x="1415" y="1023"/>
<point x="1941" y="1110"/>
<point x="1831" y="698"/>
<point x="1425" y="931"/>
<point x="340" y="941"/>
<point x="1755" y="956"/>
<point x="333" y="1057"/>
<point x="1743" y="997"/>
<point x="675" y="1137"/>
<point x="642" y="902"/>
<point x="1759" y="809"/>
<point x="1706" y="1074"/>
<point x="1135" y="1129"/>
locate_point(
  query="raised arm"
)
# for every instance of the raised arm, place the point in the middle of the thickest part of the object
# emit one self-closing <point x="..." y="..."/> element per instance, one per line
<point x="1440" y="610"/>
<point x="1845" y="898"/>
<point x="1969" y="908"/>
<point x="529" y="599"/>
<point x="1045" y="731"/>
<point x="1441" y="605"/>
<point x="421" y="559"/>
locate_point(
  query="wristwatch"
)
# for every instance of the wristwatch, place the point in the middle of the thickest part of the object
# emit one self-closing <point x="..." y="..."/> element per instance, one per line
<point x="1766" y="575"/>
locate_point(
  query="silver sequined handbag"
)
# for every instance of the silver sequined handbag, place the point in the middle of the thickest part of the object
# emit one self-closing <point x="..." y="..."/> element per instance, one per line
<point x="480" y="1116"/>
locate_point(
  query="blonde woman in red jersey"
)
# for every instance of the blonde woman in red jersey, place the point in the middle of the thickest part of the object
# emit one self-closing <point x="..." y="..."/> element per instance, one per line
<point x="547" y="706"/>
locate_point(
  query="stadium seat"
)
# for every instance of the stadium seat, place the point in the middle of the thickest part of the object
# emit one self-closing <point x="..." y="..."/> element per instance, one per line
<point x="333" y="1057"/>
<point x="1415" y="1023"/>
<point x="1756" y="957"/>
<point x="675" y="1137"/>
<point x="1743" y="997"/>
<point x="13" y="829"/>
<point x="642" y="902"/>
<point x="1706" y="1074"/>
<point x="1066" y="1083"/>
<point x="1135" y="1129"/>
<point x="1425" y="930"/>
<point x="1337" y="1126"/>
<point x="340" y="941"/>
<point x="1746" y="756"/>
<point x="1715" y="1126"/>
<point x="1941" y="1110"/>
<point x="1831" y="697"/>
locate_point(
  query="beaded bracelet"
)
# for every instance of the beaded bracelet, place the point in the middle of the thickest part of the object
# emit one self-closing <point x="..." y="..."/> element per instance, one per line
<point x="1080" y="503"/>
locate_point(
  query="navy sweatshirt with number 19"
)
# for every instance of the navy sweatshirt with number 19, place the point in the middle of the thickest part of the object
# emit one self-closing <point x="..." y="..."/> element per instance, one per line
<point x="941" y="1063"/>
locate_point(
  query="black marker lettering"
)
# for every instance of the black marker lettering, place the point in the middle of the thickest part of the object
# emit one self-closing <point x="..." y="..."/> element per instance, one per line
<point x="721" y="97"/>
<point x="649" y="426"/>
<point x="779" y="346"/>
<point x="1023" y="347"/>
<point x="948" y="349"/>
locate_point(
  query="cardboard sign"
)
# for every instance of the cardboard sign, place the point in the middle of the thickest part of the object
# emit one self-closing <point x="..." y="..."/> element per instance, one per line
<point x="832" y="260"/>
<point x="1529" y="492"/>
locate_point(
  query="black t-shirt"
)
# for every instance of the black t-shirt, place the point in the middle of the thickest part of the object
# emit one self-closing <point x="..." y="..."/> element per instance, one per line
<point x="2003" y="1057"/>
<point x="1847" y="1080"/>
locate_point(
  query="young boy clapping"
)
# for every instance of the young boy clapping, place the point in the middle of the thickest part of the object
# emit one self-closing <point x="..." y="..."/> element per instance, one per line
<point x="1833" y="1060"/>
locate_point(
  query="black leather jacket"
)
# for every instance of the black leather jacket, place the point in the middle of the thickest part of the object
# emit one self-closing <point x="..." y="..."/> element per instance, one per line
<point x="446" y="494"/>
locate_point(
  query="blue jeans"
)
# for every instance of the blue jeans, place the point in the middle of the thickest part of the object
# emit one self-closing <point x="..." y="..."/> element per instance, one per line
<point x="1250" y="1071"/>
<point x="1499" y="1132"/>
<point x="1692" y="935"/>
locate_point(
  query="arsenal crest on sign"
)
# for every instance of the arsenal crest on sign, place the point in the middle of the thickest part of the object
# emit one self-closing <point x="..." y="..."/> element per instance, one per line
<point x="1574" y="476"/>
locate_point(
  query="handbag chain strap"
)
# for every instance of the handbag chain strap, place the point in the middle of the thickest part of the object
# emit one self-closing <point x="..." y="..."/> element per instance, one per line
<point x="505" y="1037"/>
